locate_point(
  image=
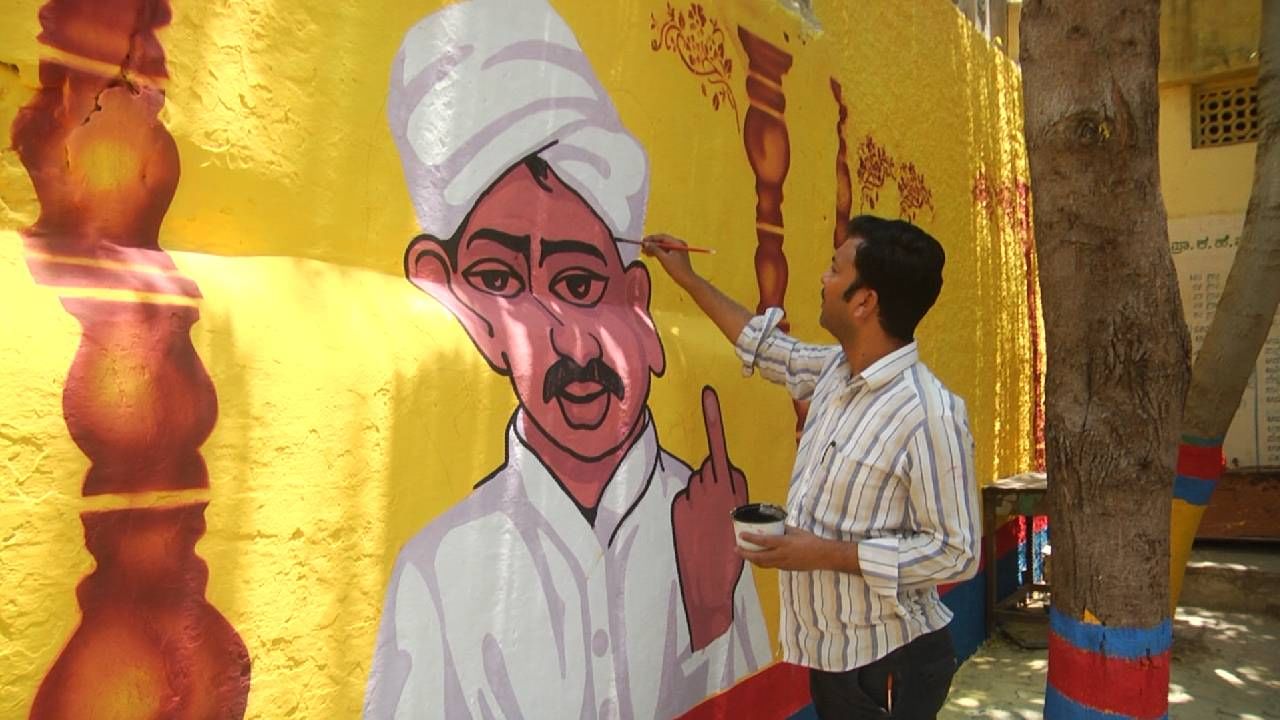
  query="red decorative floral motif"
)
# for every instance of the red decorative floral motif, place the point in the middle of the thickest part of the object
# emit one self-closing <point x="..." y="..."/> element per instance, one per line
<point x="875" y="168"/>
<point x="699" y="42"/>
<point x="914" y="194"/>
<point x="1012" y="200"/>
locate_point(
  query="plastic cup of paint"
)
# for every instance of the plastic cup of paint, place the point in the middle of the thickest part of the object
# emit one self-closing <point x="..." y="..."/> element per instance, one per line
<point x="758" y="518"/>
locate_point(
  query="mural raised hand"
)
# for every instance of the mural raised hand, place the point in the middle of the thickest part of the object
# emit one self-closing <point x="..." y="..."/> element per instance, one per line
<point x="706" y="557"/>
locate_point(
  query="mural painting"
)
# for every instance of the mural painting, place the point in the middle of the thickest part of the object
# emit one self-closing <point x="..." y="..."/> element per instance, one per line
<point x="137" y="400"/>
<point x="844" y="181"/>
<point x="368" y="406"/>
<point x="877" y="166"/>
<point x="768" y="146"/>
<point x="633" y="602"/>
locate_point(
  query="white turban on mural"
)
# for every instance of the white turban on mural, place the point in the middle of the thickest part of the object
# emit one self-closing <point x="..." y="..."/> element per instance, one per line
<point x="481" y="85"/>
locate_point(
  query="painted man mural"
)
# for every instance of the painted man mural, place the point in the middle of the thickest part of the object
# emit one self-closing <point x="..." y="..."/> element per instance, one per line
<point x="592" y="574"/>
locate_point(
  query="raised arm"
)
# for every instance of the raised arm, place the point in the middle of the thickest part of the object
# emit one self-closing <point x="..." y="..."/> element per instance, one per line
<point x="759" y="342"/>
<point x="724" y="311"/>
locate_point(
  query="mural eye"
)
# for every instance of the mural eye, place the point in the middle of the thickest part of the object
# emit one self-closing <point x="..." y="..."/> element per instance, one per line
<point x="495" y="278"/>
<point x="579" y="286"/>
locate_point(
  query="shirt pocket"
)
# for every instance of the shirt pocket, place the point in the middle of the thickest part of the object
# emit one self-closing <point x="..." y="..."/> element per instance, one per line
<point x="864" y="497"/>
<point x="805" y="497"/>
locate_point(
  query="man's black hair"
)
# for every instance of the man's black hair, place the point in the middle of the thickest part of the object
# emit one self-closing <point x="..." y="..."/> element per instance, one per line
<point x="903" y="264"/>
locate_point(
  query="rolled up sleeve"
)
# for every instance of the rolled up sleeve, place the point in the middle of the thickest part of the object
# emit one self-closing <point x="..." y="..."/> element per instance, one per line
<point x="944" y="502"/>
<point x="780" y="358"/>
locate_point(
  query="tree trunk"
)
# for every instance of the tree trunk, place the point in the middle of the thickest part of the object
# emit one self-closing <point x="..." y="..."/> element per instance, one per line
<point x="1117" y="348"/>
<point x="1241" y="322"/>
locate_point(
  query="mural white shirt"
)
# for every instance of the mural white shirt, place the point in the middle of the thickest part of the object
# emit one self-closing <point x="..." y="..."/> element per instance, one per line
<point x="511" y="605"/>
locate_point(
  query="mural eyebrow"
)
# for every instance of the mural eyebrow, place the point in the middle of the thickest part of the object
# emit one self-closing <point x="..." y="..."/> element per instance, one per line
<point x="551" y="247"/>
<point x="514" y="243"/>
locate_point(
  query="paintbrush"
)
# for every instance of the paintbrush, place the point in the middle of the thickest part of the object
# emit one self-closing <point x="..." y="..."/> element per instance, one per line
<point x="669" y="246"/>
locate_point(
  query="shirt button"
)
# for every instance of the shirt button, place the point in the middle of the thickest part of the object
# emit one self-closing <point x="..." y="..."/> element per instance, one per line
<point x="600" y="643"/>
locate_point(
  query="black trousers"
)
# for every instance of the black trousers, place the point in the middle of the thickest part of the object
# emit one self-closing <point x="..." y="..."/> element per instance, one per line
<point x="921" y="672"/>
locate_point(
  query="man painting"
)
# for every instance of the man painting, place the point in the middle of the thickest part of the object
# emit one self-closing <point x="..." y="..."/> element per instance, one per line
<point x="592" y="574"/>
<point x="883" y="503"/>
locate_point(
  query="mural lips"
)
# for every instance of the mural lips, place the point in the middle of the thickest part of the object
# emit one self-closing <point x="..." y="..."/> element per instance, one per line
<point x="582" y="391"/>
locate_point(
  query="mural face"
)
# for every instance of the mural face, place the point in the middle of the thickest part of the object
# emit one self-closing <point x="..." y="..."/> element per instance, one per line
<point x="537" y="280"/>
<point x="591" y="522"/>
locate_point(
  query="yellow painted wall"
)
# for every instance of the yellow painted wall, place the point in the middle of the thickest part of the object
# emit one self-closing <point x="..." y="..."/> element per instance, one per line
<point x="1199" y="181"/>
<point x="1202" y="38"/>
<point x="352" y="408"/>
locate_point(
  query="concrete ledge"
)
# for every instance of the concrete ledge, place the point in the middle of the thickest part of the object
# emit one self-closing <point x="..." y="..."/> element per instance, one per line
<point x="1242" y="578"/>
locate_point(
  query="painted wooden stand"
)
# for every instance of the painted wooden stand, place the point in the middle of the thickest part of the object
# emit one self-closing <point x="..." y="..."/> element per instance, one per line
<point x="1021" y="495"/>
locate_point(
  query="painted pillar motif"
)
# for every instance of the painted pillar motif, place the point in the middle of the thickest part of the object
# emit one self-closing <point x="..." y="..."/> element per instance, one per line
<point x="137" y="399"/>
<point x="768" y="146"/>
<point x="764" y="135"/>
<point x="844" y="180"/>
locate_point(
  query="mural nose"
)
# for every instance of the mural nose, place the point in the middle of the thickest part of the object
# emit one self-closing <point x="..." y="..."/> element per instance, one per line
<point x="577" y="342"/>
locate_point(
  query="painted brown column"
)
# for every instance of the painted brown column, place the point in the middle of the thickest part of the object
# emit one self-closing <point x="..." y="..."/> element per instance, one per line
<point x="844" y="181"/>
<point x="137" y="399"/>
<point x="764" y="135"/>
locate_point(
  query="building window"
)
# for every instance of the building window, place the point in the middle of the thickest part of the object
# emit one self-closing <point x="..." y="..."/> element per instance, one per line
<point x="1224" y="113"/>
<point x="995" y="19"/>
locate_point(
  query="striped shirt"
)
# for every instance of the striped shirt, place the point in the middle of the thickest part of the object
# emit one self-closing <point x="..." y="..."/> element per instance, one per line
<point x="885" y="461"/>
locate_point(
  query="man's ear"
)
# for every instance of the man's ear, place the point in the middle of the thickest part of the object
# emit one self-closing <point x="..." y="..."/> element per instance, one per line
<point x="639" y="293"/>
<point x="870" y="305"/>
<point x="426" y="265"/>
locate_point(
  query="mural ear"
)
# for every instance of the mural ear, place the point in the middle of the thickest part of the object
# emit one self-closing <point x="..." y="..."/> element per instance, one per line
<point x="427" y="265"/>
<point x="639" y="293"/>
<point x="639" y="285"/>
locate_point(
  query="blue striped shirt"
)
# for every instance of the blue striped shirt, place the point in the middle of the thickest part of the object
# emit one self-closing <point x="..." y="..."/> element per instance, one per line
<point x="885" y="461"/>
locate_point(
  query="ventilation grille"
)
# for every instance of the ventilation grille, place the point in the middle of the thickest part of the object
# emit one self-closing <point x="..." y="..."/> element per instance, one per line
<point x="1225" y="114"/>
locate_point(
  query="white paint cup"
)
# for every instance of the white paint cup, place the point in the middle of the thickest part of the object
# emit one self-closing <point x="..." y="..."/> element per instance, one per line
<point x="758" y="518"/>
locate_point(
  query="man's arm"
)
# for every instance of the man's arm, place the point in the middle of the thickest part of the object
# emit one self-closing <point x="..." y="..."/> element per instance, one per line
<point x="801" y="550"/>
<point x="723" y="310"/>
<point x="944" y="499"/>
<point x="759" y="342"/>
<point x="944" y="502"/>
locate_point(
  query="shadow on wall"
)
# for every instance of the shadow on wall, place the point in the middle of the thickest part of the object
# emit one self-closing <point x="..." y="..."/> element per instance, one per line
<point x="250" y="122"/>
<point x="333" y="441"/>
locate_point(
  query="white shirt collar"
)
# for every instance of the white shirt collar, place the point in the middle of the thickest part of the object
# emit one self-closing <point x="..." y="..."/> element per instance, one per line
<point x="623" y="492"/>
<point x="879" y="373"/>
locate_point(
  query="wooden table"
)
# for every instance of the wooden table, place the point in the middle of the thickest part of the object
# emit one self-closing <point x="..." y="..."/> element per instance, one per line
<point x="1020" y="495"/>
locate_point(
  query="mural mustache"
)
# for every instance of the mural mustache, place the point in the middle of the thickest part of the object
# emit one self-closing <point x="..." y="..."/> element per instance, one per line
<point x="565" y="371"/>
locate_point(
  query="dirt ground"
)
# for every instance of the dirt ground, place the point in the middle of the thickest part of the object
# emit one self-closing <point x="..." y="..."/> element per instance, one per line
<point x="1225" y="665"/>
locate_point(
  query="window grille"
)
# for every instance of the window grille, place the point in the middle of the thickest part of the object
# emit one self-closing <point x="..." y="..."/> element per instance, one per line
<point x="1225" y="114"/>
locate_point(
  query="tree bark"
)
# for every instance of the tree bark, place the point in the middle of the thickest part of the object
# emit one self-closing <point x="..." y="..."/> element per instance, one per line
<point x="1248" y="304"/>
<point x="1117" y="345"/>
